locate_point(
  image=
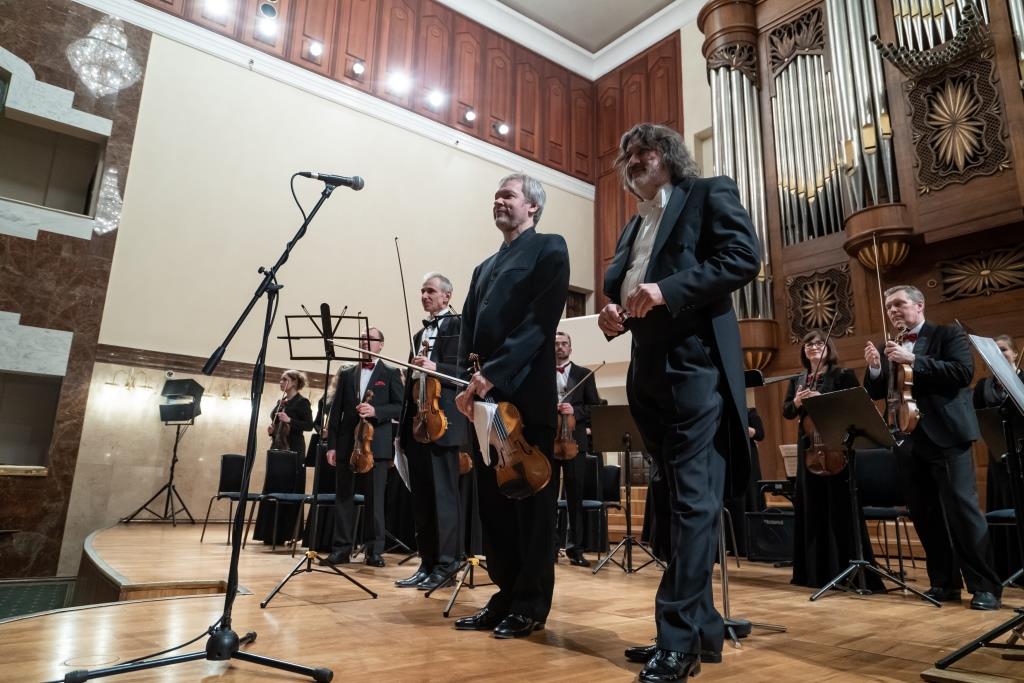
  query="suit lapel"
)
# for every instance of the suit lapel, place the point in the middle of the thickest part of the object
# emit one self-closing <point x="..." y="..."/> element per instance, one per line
<point x="676" y="202"/>
<point x="923" y="338"/>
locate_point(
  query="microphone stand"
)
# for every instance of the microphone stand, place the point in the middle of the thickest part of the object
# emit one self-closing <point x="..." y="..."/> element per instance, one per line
<point x="224" y="643"/>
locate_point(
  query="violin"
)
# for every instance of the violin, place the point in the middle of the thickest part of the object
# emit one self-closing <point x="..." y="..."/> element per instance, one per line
<point x="522" y="469"/>
<point x="361" y="460"/>
<point x="430" y="423"/>
<point x="901" y="411"/>
<point x="566" y="447"/>
<point x="282" y="430"/>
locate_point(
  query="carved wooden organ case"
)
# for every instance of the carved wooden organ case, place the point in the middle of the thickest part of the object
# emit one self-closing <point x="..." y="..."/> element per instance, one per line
<point x="861" y="127"/>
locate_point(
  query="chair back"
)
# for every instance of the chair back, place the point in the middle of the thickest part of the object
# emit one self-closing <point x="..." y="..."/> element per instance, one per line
<point x="878" y="478"/>
<point x="591" y="476"/>
<point x="231" y="468"/>
<point x="611" y="484"/>
<point x="282" y="468"/>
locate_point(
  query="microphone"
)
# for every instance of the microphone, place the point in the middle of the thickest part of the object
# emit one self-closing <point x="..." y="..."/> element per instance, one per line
<point x="355" y="182"/>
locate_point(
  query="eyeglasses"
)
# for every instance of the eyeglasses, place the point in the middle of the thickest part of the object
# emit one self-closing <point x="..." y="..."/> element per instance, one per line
<point x="814" y="345"/>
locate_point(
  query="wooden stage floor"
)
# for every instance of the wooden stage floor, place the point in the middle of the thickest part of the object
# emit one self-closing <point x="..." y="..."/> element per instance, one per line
<point x="322" y="620"/>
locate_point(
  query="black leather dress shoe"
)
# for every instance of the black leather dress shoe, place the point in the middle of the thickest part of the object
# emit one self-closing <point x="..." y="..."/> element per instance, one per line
<point x="577" y="560"/>
<point x="984" y="600"/>
<point x="943" y="594"/>
<point x="439" y="577"/>
<point x="416" y="579"/>
<point x="667" y="665"/>
<point x="335" y="558"/>
<point x="517" y="626"/>
<point x="375" y="560"/>
<point x="643" y="653"/>
<point x="484" y="620"/>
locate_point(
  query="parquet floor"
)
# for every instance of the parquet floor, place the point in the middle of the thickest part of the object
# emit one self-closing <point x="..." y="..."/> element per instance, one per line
<point x="321" y="620"/>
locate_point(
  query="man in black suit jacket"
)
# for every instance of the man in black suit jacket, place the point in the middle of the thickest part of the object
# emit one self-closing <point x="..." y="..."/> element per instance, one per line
<point x="935" y="460"/>
<point x="434" y="466"/>
<point x="346" y="410"/>
<point x="509" y="320"/>
<point x="578" y="405"/>
<point x="676" y="265"/>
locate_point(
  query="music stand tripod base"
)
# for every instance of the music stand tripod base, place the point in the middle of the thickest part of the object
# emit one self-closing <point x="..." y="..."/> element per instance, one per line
<point x="465" y="569"/>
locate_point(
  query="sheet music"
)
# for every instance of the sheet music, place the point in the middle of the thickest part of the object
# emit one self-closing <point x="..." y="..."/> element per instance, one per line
<point x="402" y="465"/>
<point x="483" y="423"/>
<point x="1000" y="367"/>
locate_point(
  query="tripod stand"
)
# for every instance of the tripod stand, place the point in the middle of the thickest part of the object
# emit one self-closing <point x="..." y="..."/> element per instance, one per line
<point x="326" y="329"/>
<point x="224" y="643"/>
<point x="467" y="567"/>
<point x="841" y="418"/>
<point x="172" y="493"/>
<point x="612" y="427"/>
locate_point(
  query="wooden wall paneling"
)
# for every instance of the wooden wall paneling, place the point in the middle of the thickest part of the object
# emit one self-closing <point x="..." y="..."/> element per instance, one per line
<point x="499" y="88"/>
<point x="257" y="34"/>
<point x="527" y="124"/>
<point x="608" y="206"/>
<point x="555" y="104"/>
<point x="467" y="75"/>
<point x="664" y="83"/>
<point x="226" y="24"/>
<point x="357" y="43"/>
<point x="581" y="127"/>
<point x="176" y="7"/>
<point x="433" y="60"/>
<point x="314" y="26"/>
<point x="609" y="116"/>
<point x="396" y="49"/>
<point x="635" y="101"/>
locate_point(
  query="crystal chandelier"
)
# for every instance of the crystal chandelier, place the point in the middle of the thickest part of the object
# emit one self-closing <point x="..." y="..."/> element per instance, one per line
<point x="101" y="60"/>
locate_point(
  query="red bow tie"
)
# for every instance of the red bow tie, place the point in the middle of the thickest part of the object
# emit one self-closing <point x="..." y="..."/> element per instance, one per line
<point x="910" y="337"/>
<point x="562" y="369"/>
<point x="367" y="366"/>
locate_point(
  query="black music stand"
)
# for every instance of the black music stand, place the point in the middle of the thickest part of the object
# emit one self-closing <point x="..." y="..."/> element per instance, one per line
<point x="327" y="327"/>
<point x="990" y="421"/>
<point x="1011" y="414"/>
<point x="843" y="417"/>
<point x="612" y="429"/>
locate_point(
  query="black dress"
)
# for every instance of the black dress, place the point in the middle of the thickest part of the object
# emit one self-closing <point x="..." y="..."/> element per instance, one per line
<point x="751" y="499"/>
<point x="822" y="543"/>
<point x="301" y="414"/>
<point x="324" y="485"/>
<point x="1005" y="547"/>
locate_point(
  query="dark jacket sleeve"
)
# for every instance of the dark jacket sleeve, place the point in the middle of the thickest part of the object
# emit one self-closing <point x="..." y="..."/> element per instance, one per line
<point x="590" y="397"/>
<point x="730" y="240"/>
<point x="979" y="394"/>
<point x="754" y="421"/>
<point x="847" y="380"/>
<point x="392" y="409"/>
<point x="335" y="415"/>
<point x="302" y="415"/>
<point x="790" y="411"/>
<point x="506" y="369"/>
<point x="954" y="370"/>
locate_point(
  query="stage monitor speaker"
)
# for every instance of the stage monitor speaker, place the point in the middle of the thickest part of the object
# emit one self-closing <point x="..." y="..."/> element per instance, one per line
<point x="184" y="397"/>
<point x="770" y="535"/>
<point x="178" y="412"/>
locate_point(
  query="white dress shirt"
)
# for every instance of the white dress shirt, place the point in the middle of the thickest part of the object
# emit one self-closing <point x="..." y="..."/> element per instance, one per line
<point x="364" y="379"/>
<point x="430" y="335"/>
<point x="651" y="212"/>
<point x="562" y="378"/>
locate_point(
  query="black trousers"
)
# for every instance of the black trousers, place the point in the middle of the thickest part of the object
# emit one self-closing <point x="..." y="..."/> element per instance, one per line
<point x="572" y="473"/>
<point x="675" y="398"/>
<point x="434" y="475"/>
<point x="375" y="482"/>
<point x="518" y="537"/>
<point x="943" y="499"/>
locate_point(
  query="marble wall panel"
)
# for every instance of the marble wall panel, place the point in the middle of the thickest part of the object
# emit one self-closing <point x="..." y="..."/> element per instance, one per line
<point x="59" y="282"/>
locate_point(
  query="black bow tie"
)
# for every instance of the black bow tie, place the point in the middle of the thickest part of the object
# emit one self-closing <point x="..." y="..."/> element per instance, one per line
<point x="429" y="322"/>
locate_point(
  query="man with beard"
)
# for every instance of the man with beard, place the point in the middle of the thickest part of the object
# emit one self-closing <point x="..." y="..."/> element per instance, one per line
<point x="509" y="321"/>
<point x="676" y="265"/>
<point x="935" y="460"/>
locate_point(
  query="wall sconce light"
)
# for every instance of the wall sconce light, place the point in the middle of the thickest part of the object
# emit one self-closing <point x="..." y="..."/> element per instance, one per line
<point x="129" y="379"/>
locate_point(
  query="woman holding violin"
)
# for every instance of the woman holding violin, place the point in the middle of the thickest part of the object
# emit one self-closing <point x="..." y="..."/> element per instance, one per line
<point x="291" y="416"/>
<point x="822" y="544"/>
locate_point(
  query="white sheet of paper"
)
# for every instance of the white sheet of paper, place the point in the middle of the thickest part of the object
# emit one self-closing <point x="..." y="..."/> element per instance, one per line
<point x="483" y="422"/>
<point x="402" y="465"/>
<point x="1001" y="368"/>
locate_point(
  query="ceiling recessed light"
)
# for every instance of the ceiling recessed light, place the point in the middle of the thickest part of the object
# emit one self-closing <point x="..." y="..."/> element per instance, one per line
<point x="399" y="83"/>
<point x="502" y="128"/>
<point x="358" y="68"/>
<point x="267" y="27"/>
<point x="316" y="49"/>
<point x="435" y="99"/>
<point x="470" y="115"/>
<point x="216" y="8"/>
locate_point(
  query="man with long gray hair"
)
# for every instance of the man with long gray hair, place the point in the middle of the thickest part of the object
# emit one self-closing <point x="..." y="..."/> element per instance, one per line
<point x="676" y="265"/>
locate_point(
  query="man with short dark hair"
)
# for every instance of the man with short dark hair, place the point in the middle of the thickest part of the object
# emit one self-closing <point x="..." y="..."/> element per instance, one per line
<point x="676" y="266"/>
<point x="935" y="459"/>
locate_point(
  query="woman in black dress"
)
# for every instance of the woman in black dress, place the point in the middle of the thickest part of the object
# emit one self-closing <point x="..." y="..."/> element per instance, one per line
<point x="989" y="393"/>
<point x="294" y="410"/>
<point x="822" y="543"/>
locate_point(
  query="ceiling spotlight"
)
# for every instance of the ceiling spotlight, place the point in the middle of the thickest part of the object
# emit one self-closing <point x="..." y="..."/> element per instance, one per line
<point x="470" y="115"/>
<point x="316" y="49"/>
<point x="502" y="129"/>
<point x="399" y="83"/>
<point x="216" y="8"/>
<point x="267" y="27"/>
<point x="268" y="9"/>
<point x="435" y="99"/>
<point x="358" y="69"/>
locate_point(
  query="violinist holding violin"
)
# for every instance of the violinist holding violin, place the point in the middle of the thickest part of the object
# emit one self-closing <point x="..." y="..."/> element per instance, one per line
<point x="577" y="407"/>
<point x="935" y="459"/>
<point x="509" y="320"/>
<point x="822" y="543"/>
<point x="368" y="393"/>
<point x="433" y="451"/>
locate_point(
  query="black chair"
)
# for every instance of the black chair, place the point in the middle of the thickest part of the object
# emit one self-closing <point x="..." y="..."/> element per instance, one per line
<point x="229" y="487"/>
<point x="591" y="489"/>
<point x="610" y="488"/>
<point x="882" y="499"/>
<point x="1005" y="518"/>
<point x="279" y="487"/>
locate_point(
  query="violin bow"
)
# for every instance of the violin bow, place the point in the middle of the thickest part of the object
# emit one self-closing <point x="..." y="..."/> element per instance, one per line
<point x="585" y="378"/>
<point x="409" y="366"/>
<point x="405" y="299"/>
